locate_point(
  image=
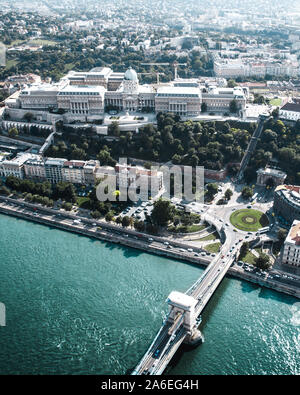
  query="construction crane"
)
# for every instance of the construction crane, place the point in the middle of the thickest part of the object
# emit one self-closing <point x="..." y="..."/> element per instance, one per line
<point x="157" y="75"/>
<point x="174" y="64"/>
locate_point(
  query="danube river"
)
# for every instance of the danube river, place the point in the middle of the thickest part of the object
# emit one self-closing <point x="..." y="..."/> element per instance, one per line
<point x="80" y="306"/>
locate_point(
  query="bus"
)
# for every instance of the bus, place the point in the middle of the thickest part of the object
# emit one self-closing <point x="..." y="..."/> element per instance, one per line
<point x="254" y="197"/>
<point x="263" y="230"/>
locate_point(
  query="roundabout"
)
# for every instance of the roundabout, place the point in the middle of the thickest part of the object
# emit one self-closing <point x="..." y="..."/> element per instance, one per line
<point x="249" y="220"/>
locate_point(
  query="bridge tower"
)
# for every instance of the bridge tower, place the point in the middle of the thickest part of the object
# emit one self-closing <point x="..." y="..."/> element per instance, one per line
<point x="182" y="310"/>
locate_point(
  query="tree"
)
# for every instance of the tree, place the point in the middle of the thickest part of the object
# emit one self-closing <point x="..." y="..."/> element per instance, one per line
<point x="67" y="206"/>
<point x="163" y="212"/>
<point x="109" y="216"/>
<point x="244" y="250"/>
<point x="233" y="107"/>
<point x="4" y="190"/>
<point x="95" y="214"/>
<point x="28" y="116"/>
<point x="114" y="129"/>
<point x="247" y="192"/>
<point x="119" y="220"/>
<point x="13" y="132"/>
<point x="203" y="107"/>
<point x="231" y="83"/>
<point x="139" y="225"/>
<point x="281" y="235"/>
<point x="228" y="194"/>
<point x="212" y="188"/>
<point x="263" y="261"/>
<point x="125" y="221"/>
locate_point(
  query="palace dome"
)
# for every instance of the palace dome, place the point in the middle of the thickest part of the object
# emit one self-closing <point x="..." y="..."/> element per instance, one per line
<point x="131" y="75"/>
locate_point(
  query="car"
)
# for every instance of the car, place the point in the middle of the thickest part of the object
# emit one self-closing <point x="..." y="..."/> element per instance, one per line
<point x="190" y="250"/>
<point x="166" y="243"/>
<point x="182" y="249"/>
<point x="249" y="206"/>
<point x="196" y="254"/>
<point x="156" y="354"/>
<point x="94" y="224"/>
<point x="150" y="239"/>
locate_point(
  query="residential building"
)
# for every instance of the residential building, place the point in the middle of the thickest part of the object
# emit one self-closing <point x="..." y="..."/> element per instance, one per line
<point x="89" y="170"/>
<point x="53" y="169"/>
<point x="34" y="168"/>
<point x="73" y="171"/>
<point x="15" y="167"/>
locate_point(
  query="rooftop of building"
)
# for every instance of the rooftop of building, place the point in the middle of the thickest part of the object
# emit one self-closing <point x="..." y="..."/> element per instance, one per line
<point x="82" y="89"/>
<point x="20" y="159"/>
<point x="100" y="72"/>
<point x="131" y="75"/>
<point x="169" y="91"/>
<point x="55" y="161"/>
<point x="290" y="193"/>
<point x="74" y="163"/>
<point x="42" y="87"/>
<point x="272" y="172"/>
<point x="294" y="107"/>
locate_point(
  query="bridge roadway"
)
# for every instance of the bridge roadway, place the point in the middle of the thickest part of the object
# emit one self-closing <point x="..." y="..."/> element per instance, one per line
<point x="167" y="342"/>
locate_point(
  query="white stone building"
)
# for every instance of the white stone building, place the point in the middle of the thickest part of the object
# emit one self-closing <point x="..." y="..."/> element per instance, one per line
<point x="179" y="100"/>
<point x="290" y="112"/>
<point x="82" y="101"/>
<point x="290" y="257"/>
<point x="35" y="168"/>
<point x="263" y="175"/>
<point x="85" y="96"/>
<point x="15" y="167"/>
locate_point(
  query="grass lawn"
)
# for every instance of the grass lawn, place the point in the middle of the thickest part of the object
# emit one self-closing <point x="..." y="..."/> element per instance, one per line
<point x="15" y="43"/>
<point x="249" y="258"/>
<point x="212" y="236"/>
<point x="82" y="201"/>
<point x="10" y="63"/>
<point x="42" y="42"/>
<point x="214" y="247"/>
<point x="275" y="102"/>
<point x="187" y="229"/>
<point x="249" y="220"/>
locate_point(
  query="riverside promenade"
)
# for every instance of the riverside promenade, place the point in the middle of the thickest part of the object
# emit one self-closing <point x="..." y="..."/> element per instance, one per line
<point x="115" y="234"/>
